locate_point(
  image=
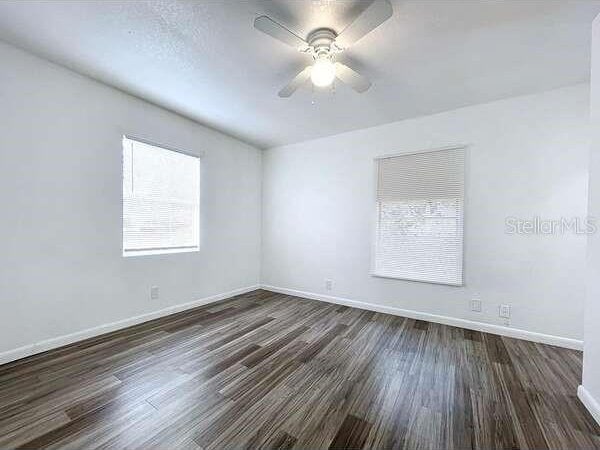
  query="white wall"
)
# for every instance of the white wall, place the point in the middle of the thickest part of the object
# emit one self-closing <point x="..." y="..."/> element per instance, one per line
<point x="60" y="190"/>
<point x="527" y="157"/>
<point x="589" y="392"/>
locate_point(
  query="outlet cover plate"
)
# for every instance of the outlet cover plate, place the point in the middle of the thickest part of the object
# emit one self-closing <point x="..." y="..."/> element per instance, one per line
<point x="504" y="311"/>
<point x="476" y="305"/>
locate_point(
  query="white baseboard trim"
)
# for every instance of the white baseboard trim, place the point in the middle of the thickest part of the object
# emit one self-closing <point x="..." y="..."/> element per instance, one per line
<point x="49" y="344"/>
<point x="591" y="404"/>
<point x="446" y="320"/>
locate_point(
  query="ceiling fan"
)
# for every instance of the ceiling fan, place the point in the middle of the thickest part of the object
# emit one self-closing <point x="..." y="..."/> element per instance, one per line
<point x="323" y="44"/>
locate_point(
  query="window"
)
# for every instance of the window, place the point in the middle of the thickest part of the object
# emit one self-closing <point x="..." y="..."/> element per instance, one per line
<point x="161" y="200"/>
<point x="419" y="230"/>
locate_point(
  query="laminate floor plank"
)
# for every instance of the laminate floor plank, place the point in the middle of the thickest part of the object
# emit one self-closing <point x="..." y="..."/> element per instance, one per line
<point x="268" y="370"/>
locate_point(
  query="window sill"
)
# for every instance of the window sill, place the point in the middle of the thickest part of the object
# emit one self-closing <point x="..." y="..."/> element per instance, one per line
<point x="161" y="251"/>
<point x="441" y="283"/>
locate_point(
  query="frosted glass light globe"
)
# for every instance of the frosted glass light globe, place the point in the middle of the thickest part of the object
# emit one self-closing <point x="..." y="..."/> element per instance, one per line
<point x="323" y="72"/>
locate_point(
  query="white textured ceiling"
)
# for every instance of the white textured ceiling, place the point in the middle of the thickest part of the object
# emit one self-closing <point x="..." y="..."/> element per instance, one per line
<point x="204" y="60"/>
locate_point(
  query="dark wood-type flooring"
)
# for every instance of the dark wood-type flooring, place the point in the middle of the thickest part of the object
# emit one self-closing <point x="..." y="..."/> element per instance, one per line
<point x="265" y="370"/>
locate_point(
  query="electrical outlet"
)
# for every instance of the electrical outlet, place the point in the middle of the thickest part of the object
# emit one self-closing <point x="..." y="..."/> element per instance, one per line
<point x="328" y="284"/>
<point x="504" y="311"/>
<point x="476" y="305"/>
<point x="154" y="292"/>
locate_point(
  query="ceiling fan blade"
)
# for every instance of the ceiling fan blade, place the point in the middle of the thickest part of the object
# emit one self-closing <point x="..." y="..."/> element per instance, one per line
<point x="296" y="83"/>
<point x="378" y="12"/>
<point x="352" y="78"/>
<point x="279" y="32"/>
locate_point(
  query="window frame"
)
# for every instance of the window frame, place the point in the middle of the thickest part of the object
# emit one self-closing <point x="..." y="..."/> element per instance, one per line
<point x="167" y="250"/>
<point x="375" y="214"/>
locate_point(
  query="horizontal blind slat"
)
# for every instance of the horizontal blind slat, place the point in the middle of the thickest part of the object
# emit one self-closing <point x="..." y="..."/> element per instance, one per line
<point x="423" y="175"/>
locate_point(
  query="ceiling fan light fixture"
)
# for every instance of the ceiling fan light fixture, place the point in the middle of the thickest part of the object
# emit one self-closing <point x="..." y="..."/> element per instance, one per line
<point x="323" y="44"/>
<point x="323" y="72"/>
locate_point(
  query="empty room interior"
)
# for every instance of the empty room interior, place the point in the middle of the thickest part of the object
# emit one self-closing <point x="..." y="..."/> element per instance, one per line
<point x="308" y="224"/>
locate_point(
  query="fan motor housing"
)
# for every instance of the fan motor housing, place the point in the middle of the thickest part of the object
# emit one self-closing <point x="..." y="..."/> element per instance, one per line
<point x="321" y="40"/>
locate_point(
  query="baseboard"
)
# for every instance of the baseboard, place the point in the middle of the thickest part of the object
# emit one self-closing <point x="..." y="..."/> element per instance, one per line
<point x="49" y="344"/>
<point x="589" y="402"/>
<point x="446" y="320"/>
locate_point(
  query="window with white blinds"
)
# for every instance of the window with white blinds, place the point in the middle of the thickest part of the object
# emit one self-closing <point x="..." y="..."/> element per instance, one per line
<point x="420" y="204"/>
<point x="161" y="200"/>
